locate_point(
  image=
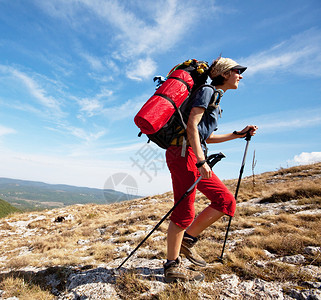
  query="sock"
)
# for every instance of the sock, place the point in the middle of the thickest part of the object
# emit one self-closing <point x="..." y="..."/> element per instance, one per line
<point x="170" y="260"/>
<point x="195" y="239"/>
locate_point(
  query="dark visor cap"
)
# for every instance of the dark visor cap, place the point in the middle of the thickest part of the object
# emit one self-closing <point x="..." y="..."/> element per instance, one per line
<point x="241" y="68"/>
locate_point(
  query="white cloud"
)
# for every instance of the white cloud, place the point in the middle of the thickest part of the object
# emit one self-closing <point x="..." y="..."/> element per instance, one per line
<point x="137" y="37"/>
<point x="35" y="90"/>
<point x="6" y="130"/>
<point x="88" y="136"/>
<point x="135" y="30"/>
<point x="82" y="134"/>
<point x="280" y="121"/>
<point x="143" y="68"/>
<point x="126" y="110"/>
<point x="90" y="106"/>
<point x="95" y="105"/>
<point x="307" y="158"/>
<point x="94" y="62"/>
<point x="296" y="54"/>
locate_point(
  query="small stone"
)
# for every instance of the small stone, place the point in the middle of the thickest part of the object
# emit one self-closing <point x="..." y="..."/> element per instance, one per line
<point x="311" y="294"/>
<point x="260" y="264"/>
<point x="230" y="280"/>
<point x="294" y="259"/>
<point x="269" y="254"/>
<point x="313" y="284"/>
<point x="83" y="242"/>
<point x="312" y="250"/>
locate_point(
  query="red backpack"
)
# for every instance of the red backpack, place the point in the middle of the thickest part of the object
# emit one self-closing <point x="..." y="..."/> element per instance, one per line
<point x="164" y="116"/>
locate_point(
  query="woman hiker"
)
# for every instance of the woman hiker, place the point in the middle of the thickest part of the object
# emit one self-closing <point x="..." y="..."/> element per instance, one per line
<point x="183" y="230"/>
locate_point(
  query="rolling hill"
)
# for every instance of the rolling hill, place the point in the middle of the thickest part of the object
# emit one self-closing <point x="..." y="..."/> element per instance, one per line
<point x="33" y="195"/>
<point x="6" y="208"/>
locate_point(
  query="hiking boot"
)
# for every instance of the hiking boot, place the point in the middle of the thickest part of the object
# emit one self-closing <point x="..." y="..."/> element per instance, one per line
<point x="174" y="271"/>
<point x="190" y="253"/>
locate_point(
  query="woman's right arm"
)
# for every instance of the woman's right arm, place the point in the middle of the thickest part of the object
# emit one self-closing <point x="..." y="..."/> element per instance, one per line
<point x="194" y="139"/>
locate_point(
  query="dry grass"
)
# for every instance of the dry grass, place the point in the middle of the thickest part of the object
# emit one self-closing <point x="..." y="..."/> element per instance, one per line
<point x="129" y="286"/>
<point x="301" y="193"/>
<point x="18" y="287"/>
<point x="5" y="226"/>
<point x="182" y="291"/>
<point x="282" y="180"/>
<point x="101" y="252"/>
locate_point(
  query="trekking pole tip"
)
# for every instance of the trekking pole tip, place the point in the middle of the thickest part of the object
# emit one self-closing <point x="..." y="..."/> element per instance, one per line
<point x="116" y="272"/>
<point x="220" y="259"/>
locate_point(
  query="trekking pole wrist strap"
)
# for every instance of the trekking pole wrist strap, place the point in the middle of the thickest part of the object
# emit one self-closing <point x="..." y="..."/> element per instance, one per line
<point x="200" y="163"/>
<point x="247" y="136"/>
<point x="238" y="133"/>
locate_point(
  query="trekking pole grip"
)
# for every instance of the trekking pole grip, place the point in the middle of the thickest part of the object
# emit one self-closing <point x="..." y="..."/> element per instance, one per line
<point x="214" y="158"/>
<point x="248" y="136"/>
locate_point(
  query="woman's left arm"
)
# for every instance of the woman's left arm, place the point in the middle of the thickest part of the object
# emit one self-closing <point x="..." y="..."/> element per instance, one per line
<point x="220" y="138"/>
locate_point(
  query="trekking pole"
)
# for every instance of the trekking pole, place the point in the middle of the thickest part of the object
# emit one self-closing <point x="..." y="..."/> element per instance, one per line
<point x="247" y="138"/>
<point x="211" y="161"/>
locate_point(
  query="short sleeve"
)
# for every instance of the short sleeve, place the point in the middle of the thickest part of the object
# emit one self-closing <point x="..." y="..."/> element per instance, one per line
<point x="203" y="97"/>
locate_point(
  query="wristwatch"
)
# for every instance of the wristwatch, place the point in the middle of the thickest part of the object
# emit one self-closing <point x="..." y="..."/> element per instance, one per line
<point x="200" y="163"/>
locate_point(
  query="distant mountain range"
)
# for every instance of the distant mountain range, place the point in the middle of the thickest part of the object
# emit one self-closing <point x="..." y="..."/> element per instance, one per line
<point x="33" y="195"/>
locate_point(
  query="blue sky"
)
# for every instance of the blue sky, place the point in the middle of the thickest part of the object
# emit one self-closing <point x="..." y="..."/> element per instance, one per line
<point x="73" y="74"/>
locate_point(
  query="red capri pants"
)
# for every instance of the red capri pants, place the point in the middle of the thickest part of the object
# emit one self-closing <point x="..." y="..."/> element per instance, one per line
<point x="184" y="173"/>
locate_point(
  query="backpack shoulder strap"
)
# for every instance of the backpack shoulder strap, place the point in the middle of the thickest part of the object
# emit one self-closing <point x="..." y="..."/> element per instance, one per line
<point x="216" y="98"/>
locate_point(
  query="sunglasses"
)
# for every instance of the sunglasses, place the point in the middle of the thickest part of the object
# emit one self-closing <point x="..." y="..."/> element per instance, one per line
<point x="238" y="71"/>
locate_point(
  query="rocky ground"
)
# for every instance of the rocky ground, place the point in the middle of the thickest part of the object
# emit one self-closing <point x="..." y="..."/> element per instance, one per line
<point x="85" y="282"/>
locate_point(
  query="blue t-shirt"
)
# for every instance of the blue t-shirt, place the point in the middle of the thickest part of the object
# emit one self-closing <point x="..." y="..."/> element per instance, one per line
<point x="208" y="123"/>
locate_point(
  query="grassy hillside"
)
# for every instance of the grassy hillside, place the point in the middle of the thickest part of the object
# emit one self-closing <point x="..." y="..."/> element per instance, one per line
<point x="274" y="244"/>
<point x="6" y="208"/>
